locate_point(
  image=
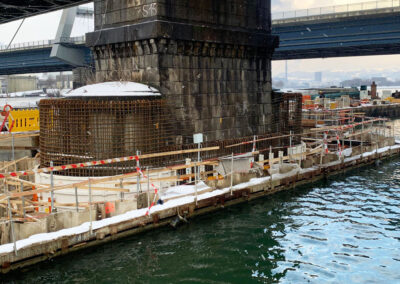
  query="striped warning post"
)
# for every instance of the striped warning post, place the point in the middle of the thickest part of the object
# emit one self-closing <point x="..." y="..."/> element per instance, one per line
<point x="139" y="170"/>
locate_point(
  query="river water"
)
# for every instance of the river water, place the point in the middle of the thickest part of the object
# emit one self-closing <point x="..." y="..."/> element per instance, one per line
<point x="342" y="230"/>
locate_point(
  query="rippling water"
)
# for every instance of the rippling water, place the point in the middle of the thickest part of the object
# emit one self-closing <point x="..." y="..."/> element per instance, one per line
<point x="344" y="230"/>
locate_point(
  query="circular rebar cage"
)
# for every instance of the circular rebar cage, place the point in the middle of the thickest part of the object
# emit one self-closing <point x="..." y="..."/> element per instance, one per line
<point x="80" y="130"/>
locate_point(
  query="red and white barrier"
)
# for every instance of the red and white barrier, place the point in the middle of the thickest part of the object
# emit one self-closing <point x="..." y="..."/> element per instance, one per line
<point x="339" y="144"/>
<point x="67" y="167"/>
<point x="139" y="170"/>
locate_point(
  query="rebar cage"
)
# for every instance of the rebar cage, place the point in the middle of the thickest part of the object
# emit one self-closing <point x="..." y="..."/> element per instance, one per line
<point x="75" y="131"/>
<point x="81" y="130"/>
<point x="291" y="115"/>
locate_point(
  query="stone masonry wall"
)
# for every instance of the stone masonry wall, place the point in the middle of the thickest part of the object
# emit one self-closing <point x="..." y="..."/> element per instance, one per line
<point x="235" y="13"/>
<point x="216" y="78"/>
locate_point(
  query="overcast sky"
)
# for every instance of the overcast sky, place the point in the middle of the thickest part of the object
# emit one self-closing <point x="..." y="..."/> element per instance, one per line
<point x="357" y="65"/>
<point x="45" y="26"/>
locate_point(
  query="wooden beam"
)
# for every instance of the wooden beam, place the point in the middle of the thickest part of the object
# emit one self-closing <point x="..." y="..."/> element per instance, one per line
<point x="19" y="148"/>
<point x="12" y="163"/>
<point x="194" y="164"/>
<point x="86" y="187"/>
<point x="17" y="136"/>
<point x="27" y="182"/>
<point x="155" y="155"/>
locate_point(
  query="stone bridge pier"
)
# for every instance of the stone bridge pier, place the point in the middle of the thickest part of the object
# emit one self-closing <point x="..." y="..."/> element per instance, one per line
<point x="211" y="60"/>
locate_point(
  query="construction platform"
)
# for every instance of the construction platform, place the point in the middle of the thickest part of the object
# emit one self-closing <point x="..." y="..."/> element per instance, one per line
<point x="49" y="214"/>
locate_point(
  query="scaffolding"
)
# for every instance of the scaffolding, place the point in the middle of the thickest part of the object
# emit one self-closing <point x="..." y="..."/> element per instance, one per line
<point x="81" y="130"/>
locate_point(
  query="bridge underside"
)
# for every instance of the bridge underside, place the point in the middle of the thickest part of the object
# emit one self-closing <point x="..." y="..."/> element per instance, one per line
<point x="11" y="10"/>
<point x="36" y="61"/>
<point x="352" y="36"/>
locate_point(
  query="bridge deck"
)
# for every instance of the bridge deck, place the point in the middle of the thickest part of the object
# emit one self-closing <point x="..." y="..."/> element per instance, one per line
<point x="339" y="35"/>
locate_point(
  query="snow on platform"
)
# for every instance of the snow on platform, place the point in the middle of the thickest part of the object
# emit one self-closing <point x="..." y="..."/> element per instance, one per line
<point x="15" y="102"/>
<point x="114" y="89"/>
<point x="172" y="192"/>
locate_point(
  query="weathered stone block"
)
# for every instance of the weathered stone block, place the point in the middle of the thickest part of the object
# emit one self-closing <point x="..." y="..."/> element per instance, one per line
<point x="215" y="77"/>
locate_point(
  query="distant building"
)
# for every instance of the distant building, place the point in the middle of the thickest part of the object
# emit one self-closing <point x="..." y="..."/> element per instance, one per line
<point x="21" y="83"/>
<point x="60" y="81"/>
<point x="64" y="81"/>
<point x="3" y="85"/>
<point x="318" y="76"/>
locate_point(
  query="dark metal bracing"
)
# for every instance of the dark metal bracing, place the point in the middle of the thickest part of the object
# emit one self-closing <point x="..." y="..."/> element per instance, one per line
<point x="11" y="10"/>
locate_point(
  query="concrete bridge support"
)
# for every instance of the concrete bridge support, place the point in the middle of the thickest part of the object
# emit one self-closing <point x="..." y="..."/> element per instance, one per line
<point x="211" y="60"/>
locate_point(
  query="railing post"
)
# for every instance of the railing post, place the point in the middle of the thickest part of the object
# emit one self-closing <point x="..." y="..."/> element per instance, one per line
<point x="231" y="175"/>
<point x="362" y="131"/>
<point x="138" y="177"/>
<point x="52" y="187"/>
<point x="121" y="186"/>
<point x="290" y="147"/>
<point x="12" y="146"/>
<point x="12" y="226"/>
<point x="280" y="158"/>
<point x="23" y="200"/>
<point x="76" y="199"/>
<point x="90" y="207"/>
<point x="188" y="161"/>
<point x="148" y="186"/>
<point x="271" y="158"/>
<point x="196" y="169"/>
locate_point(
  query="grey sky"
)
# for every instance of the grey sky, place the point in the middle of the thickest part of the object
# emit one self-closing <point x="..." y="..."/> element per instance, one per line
<point x="44" y="27"/>
<point x="356" y="65"/>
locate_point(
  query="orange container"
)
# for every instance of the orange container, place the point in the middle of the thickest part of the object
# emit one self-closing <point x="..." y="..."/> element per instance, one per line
<point x="306" y="98"/>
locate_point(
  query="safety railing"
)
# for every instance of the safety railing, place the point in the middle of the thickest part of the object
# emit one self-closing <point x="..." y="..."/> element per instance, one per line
<point x="41" y="44"/>
<point x="363" y="6"/>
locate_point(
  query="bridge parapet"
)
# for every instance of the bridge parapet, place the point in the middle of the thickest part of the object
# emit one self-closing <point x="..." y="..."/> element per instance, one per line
<point x="336" y="12"/>
<point x="42" y="44"/>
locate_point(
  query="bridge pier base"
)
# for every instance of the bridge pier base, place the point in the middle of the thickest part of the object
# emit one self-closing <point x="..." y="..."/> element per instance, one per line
<point x="211" y="60"/>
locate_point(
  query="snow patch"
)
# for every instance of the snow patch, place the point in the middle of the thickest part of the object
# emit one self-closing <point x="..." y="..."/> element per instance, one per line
<point x="114" y="89"/>
<point x="18" y="102"/>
